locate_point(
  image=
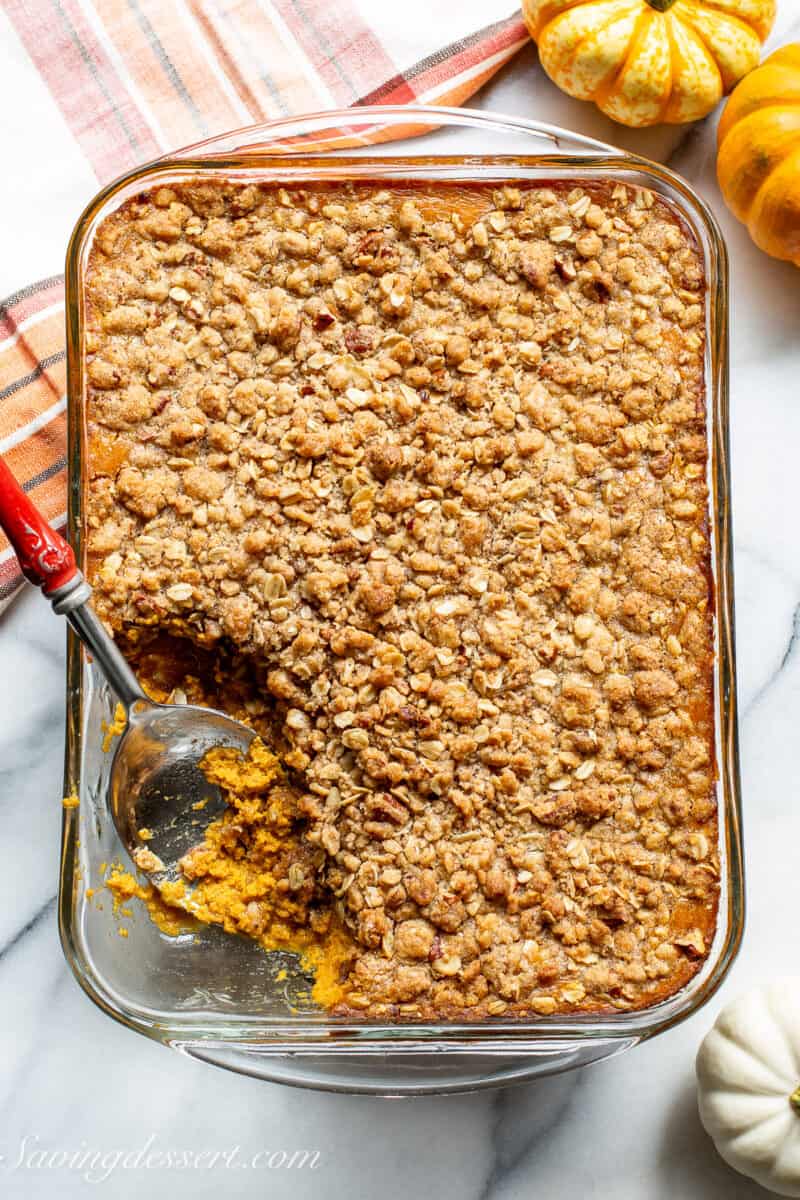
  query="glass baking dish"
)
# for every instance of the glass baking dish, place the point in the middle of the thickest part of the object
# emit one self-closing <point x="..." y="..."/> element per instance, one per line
<point x="223" y="999"/>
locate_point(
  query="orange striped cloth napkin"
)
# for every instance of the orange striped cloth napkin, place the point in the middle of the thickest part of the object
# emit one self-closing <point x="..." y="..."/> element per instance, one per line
<point x="134" y="79"/>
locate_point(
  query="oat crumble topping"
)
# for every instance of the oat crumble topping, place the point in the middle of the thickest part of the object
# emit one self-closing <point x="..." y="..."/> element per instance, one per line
<point x="431" y="460"/>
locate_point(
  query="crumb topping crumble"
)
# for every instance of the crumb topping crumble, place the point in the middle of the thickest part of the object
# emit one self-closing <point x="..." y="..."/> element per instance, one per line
<point x="432" y="459"/>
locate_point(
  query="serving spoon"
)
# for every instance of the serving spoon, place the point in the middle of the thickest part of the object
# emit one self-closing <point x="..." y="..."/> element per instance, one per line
<point x="156" y="784"/>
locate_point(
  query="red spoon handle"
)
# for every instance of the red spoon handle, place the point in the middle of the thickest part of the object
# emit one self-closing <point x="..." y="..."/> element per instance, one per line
<point x="45" y="558"/>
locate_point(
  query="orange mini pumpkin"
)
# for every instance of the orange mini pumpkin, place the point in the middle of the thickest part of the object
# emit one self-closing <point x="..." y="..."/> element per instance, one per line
<point x="758" y="154"/>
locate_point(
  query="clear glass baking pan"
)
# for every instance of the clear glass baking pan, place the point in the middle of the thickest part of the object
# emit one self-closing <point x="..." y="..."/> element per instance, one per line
<point x="222" y="999"/>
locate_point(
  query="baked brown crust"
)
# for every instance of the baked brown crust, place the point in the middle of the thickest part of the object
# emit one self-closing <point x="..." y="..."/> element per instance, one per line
<point x="434" y="463"/>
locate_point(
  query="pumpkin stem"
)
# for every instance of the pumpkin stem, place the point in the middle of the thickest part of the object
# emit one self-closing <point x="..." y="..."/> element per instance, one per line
<point x="794" y="1100"/>
<point x="661" y="5"/>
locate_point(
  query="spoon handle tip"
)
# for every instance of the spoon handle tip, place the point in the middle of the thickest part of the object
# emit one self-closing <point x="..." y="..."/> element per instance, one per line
<point x="48" y="561"/>
<point x="45" y="558"/>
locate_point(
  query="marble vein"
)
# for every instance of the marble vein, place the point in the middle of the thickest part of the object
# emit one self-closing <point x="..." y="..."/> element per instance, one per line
<point x="686" y="144"/>
<point x="786" y="658"/>
<point x="41" y="914"/>
<point x="519" y="1119"/>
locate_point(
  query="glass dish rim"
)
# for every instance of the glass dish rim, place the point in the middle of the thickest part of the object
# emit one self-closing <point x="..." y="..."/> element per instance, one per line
<point x="491" y="1035"/>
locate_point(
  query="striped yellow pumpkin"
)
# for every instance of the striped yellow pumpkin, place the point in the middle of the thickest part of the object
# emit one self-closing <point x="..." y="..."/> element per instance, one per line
<point x="644" y="62"/>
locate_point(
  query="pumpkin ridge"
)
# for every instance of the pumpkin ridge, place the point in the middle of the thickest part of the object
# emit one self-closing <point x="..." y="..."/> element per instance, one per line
<point x="747" y="1089"/>
<point x="775" y="81"/>
<point x="552" y="11"/>
<point x="718" y="8"/>
<point x="740" y="1144"/>
<point x="756" y="111"/>
<point x="686" y="20"/>
<point x="673" y="50"/>
<point x="643" y="20"/>
<point x="741" y="184"/>
<point x="605" y="88"/>
<point x="786" y="56"/>
<point x="772" y="1002"/>
<point x="734" y="1043"/>
<point x="755" y="206"/>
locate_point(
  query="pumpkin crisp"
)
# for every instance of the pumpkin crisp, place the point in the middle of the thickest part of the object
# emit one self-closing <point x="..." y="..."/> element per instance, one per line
<point x="414" y="479"/>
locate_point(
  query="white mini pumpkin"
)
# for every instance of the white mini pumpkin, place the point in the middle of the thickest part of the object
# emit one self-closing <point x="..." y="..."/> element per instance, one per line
<point x="748" y="1077"/>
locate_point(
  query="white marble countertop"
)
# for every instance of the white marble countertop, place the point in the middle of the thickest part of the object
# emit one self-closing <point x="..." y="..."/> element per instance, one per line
<point x="71" y="1080"/>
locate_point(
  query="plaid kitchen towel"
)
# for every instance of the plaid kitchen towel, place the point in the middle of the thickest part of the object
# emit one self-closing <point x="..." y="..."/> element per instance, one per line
<point x="134" y="79"/>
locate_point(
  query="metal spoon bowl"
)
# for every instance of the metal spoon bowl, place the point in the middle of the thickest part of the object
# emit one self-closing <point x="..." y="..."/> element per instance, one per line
<point x="157" y="784"/>
<point x="160" y="799"/>
<point x="156" y="781"/>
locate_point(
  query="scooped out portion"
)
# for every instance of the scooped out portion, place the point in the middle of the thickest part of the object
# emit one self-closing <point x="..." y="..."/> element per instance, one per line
<point x="254" y="873"/>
